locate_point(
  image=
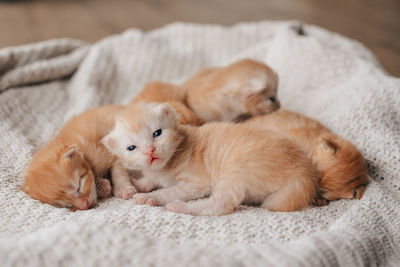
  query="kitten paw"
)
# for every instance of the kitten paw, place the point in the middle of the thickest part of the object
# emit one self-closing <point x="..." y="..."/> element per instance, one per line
<point x="148" y="188"/>
<point x="125" y="192"/>
<point x="143" y="199"/>
<point x="177" y="206"/>
<point x="145" y="187"/>
<point x="103" y="188"/>
<point x="319" y="202"/>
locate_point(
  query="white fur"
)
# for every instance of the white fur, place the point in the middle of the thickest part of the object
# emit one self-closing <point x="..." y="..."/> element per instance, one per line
<point x="160" y="116"/>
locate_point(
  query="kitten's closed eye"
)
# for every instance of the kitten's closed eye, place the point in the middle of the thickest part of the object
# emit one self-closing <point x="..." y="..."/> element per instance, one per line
<point x="157" y="133"/>
<point x="131" y="148"/>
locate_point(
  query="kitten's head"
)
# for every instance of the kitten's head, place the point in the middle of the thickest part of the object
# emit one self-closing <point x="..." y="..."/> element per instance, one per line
<point x="145" y="136"/>
<point x="342" y="167"/>
<point x="257" y="85"/>
<point x="63" y="179"/>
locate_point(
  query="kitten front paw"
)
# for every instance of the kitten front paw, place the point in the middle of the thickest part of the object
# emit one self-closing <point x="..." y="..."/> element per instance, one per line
<point x="125" y="192"/>
<point x="145" y="187"/>
<point x="142" y="199"/>
<point x="103" y="188"/>
<point x="177" y="206"/>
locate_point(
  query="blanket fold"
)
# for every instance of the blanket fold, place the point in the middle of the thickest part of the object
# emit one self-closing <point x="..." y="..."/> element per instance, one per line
<point x="40" y="62"/>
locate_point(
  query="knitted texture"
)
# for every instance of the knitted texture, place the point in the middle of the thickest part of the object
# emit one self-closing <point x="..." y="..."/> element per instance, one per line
<point x="322" y="75"/>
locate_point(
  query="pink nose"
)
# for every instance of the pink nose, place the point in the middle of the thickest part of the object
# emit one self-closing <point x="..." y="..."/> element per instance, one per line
<point x="150" y="151"/>
<point x="83" y="204"/>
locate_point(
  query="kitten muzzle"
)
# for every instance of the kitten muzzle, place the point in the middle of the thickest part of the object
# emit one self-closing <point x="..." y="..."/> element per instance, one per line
<point x="153" y="159"/>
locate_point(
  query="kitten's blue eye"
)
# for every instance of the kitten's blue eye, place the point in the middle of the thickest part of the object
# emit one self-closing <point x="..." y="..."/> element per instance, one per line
<point x="131" y="148"/>
<point x="157" y="133"/>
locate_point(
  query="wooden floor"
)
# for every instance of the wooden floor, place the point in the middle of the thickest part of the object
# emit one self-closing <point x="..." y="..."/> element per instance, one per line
<point x="376" y="23"/>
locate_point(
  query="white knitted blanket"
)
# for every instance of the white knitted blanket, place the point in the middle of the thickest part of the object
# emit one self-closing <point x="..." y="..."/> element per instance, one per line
<point x="322" y="75"/>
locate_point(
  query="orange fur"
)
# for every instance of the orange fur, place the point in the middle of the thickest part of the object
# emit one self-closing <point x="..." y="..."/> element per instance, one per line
<point x="342" y="166"/>
<point x="76" y="157"/>
<point x="168" y="93"/>
<point x="244" y="88"/>
<point x="230" y="163"/>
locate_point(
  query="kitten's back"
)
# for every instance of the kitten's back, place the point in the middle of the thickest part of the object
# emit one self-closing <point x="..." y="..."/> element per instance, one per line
<point x="161" y="92"/>
<point x="87" y="130"/>
<point x="260" y="159"/>
<point x="341" y="165"/>
<point x="225" y="93"/>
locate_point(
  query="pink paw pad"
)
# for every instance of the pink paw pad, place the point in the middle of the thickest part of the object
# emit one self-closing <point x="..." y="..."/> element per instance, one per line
<point x="143" y="199"/>
<point x="152" y="202"/>
<point x="125" y="192"/>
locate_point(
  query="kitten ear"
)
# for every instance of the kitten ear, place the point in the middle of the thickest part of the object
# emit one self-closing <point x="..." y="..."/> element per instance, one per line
<point x="251" y="92"/>
<point x="268" y="81"/>
<point x="329" y="144"/>
<point x="247" y="95"/>
<point x="168" y="113"/>
<point x="70" y="152"/>
<point x="110" y="142"/>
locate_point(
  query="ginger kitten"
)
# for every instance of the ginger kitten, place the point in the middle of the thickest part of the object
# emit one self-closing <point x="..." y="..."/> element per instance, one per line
<point x="235" y="92"/>
<point x="228" y="163"/>
<point x="161" y="92"/>
<point x="67" y="171"/>
<point x="342" y="166"/>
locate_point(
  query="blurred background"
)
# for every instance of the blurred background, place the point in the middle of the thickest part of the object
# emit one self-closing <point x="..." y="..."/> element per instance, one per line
<point x="376" y="23"/>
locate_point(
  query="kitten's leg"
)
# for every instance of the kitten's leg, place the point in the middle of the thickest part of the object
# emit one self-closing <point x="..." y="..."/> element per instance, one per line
<point x="226" y="196"/>
<point x="296" y="195"/>
<point x="103" y="187"/>
<point x="122" y="186"/>
<point x="146" y="184"/>
<point x="182" y="191"/>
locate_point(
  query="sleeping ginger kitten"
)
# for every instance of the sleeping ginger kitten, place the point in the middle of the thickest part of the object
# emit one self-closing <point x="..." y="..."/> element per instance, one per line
<point x="342" y="166"/>
<point x="161" y="92"/>
<point x="235" y="92"/>
<point x="228" y="163"/>
<point x="67" y="171"/>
